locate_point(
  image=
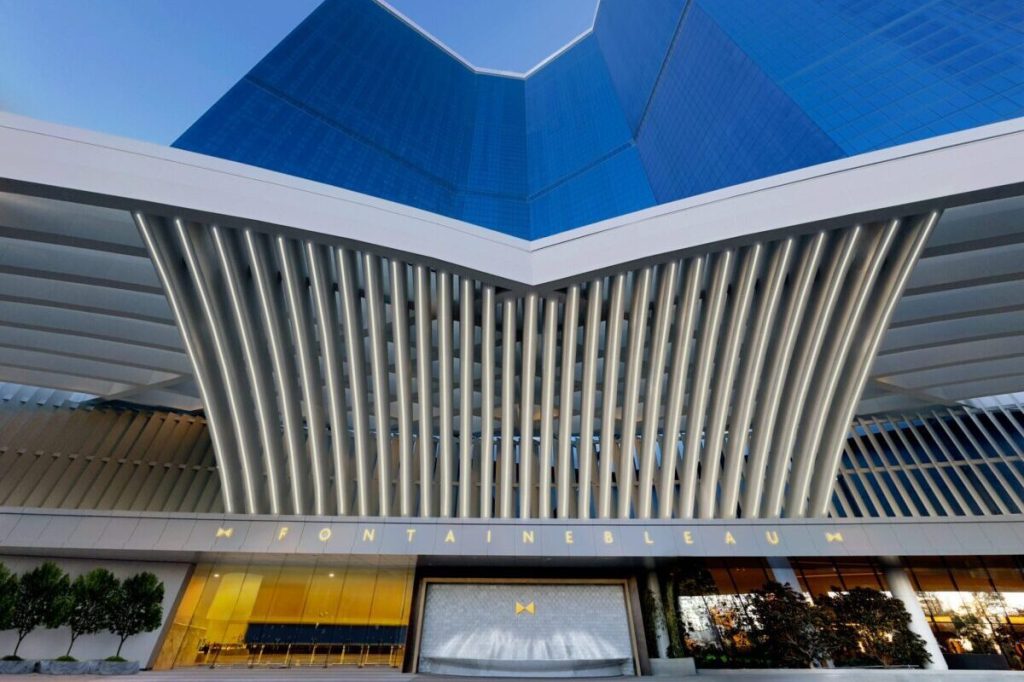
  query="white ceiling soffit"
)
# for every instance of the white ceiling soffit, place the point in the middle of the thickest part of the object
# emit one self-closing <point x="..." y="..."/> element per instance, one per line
<point x="92" y="168"/>
<point x="81" y="308"/>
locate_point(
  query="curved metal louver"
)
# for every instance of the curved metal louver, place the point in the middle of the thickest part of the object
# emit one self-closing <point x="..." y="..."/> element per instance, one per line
<point x="338" y="381"/>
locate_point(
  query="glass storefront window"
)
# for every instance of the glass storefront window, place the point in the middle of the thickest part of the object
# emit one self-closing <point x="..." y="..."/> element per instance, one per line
<point x="975" y="604"/>
<point x="325" y="613"/>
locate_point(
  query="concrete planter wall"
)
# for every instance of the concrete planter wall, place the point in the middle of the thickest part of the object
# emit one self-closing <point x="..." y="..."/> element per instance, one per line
<point x="67" y="667"/>
<point x="673" y="667"/>
<point x="118" y="667"/>
<point x="26" y="667"/>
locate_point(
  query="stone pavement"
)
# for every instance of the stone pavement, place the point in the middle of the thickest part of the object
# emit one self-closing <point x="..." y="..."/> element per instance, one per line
<point x="387" y="675"/>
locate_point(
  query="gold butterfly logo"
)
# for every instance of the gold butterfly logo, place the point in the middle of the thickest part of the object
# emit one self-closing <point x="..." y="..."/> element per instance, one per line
<point x="529" y="608"/>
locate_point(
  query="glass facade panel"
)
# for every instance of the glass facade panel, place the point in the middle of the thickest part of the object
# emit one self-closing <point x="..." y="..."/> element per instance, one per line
<point x="664" y="100"/>
<point x="282" y="614"/>
<point x="975" y="605"/>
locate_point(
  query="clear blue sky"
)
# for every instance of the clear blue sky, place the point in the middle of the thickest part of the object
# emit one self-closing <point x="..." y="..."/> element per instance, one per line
<point x="147" y="68"/>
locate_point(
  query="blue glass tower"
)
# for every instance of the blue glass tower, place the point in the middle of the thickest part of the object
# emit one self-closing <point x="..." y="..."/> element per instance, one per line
<point x="663" y="99"/>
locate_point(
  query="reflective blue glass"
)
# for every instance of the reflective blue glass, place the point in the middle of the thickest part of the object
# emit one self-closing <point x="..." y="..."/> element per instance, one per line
<point x="663" y="100"/>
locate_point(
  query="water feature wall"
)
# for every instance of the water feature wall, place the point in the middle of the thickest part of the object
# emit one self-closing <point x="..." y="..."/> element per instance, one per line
<point x="540" y="630"/>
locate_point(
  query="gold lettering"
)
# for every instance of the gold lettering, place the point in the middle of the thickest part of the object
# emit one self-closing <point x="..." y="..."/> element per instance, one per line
<point x="648" y="540"/>
<point x="833" y="537"/>
<point x="528" y="537"/>
<point x="225" y="532"/>
<point x="772" y="536"/>
<point x="450" y="537"/>
<point x="687" y="537"/>
<point x="281" y="532"/>
<point x="325" y="534"/>
<point x="568" y="537"/>
<point x="608" y="537"/>
<point x="410" y="532"/>
<point x="729" y="539"/>
<point x="488" y="536"/>
<point x="369" y="534"/>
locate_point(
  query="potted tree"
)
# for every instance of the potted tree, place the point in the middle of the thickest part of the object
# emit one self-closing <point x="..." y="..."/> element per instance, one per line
<point x="135" y="607"/>
<point x="41" y="600"/>
<point x="9" y="588"/>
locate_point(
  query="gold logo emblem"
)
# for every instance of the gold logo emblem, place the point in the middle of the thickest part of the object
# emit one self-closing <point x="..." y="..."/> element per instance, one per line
<point x="225" y="532"/>
<point x="529" y="608"/>
<point x="833" y="537"/>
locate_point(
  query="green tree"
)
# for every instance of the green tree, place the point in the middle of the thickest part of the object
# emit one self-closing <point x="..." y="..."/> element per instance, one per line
<point x="41" y="600"/>
<point x="88" y="609"/>
<point x="8" y="597"/>
<point x="870" y="624"/>
<point x="788" y="631"/>
<point x="136" y="606"/>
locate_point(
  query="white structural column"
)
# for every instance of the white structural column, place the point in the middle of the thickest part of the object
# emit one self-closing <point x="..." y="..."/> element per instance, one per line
<point x="213" y="401"/>
<point x="609" y="394"/>
<point x="750" y="376"/>
<point x="890" y="288"/>
<point x="379" y="371"/>
<point x="424" y="389"/>
<point x="783" y="572"/>
<point x="753" y="355"/>
<point x="833" y="358"/>
<point x="259" y="376"/>
<point x="770" y="390"/>
<point x="570" y="324"/>
<point x="403" y="386"/>
<point x="793" y="404"/>
<point x="282" y="363"/>
<point x="466" y="384"/>
<point x="354" y="336"/>
<point x="445" y="392"/>
<point x="652" y="400"/>
<point x="529" y="358"/>
<point x="327" y="326"/>
<point x="712" y="317"/>
<point x="506" y="463"/>
<point x="547" y="408"/>
<point x="588" y="391"/>
<point x="239" y="406"/>
<point x="901" y="588"/>
<point x="487" y="403"/>
<point x="682" y="342"/>
<point x="725" y="369"/>
<point x="309" y="371"/>
<point x="631" y="391"/>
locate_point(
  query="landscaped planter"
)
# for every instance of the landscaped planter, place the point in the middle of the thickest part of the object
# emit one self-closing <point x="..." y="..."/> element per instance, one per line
<point x="118" y="667"/>
<point x="48" y="667"/>
<point x="26" y="667"/>
<point x="672" y="667"/>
